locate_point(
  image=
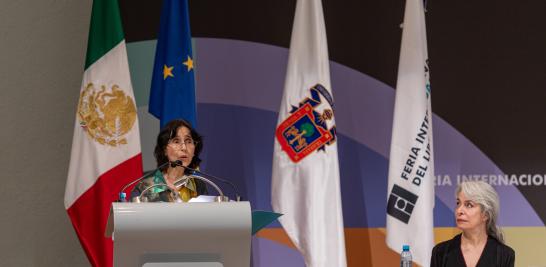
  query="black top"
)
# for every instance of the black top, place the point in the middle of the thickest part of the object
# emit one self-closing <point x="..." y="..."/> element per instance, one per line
<point x="448" y="254"/>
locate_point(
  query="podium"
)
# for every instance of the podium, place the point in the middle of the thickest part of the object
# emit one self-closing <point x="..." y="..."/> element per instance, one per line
<point x="180" y="234"/>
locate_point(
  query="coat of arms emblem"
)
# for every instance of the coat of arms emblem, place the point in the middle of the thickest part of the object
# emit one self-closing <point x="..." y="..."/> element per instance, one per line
<point x="106" y="114"/>
<point x="306" y="130"/>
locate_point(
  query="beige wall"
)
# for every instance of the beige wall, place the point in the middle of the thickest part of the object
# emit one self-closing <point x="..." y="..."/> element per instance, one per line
<point x="42" y="50"/>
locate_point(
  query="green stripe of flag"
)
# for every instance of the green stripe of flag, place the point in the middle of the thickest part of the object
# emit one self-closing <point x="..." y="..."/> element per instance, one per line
<point x="105" y="31"/>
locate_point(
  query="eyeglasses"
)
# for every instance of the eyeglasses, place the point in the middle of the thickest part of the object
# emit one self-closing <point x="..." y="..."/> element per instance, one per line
<point x="179" y="142"/>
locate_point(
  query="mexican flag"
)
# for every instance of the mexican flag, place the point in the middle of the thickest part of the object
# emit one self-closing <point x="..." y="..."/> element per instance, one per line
<point x="106" y="144"/>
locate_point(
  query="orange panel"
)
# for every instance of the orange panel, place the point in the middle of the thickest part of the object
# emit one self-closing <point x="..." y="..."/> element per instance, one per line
<point x="358" y="244"/>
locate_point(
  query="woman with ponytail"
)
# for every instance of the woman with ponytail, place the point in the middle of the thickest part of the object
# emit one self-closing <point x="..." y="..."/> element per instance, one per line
<point x="481" y="242"/>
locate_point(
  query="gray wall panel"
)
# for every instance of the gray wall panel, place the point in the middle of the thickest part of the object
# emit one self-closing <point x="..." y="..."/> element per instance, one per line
<point x="42" y="50"/>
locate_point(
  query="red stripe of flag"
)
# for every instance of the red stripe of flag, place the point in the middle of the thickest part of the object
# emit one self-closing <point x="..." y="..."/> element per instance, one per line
<point x="89" y="213"/>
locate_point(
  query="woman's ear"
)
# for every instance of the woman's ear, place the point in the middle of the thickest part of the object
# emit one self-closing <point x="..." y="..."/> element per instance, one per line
<point x="485" y="217"/>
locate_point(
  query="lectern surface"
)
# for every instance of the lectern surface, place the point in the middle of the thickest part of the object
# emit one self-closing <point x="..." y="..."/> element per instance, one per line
<point x="181" y="234"/>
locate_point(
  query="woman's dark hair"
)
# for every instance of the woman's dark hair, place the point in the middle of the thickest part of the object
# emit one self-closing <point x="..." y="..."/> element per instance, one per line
<point x="169" y="132"/>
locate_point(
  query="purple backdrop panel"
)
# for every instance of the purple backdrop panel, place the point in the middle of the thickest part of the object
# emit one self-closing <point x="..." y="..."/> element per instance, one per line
<point x="267" y="253"/>
<point x="246" y="74"/>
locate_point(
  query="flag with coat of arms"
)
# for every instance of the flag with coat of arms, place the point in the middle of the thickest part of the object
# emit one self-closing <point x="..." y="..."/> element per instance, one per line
<point x="305" y="177"/>
<point x="106" y="151"/>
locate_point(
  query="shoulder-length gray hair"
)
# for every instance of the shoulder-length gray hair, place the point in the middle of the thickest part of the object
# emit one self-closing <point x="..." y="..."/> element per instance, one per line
<point x="484" y="195"/>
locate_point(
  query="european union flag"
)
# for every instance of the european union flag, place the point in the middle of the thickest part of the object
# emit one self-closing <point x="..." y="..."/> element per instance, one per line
<point x="172" y="95"/>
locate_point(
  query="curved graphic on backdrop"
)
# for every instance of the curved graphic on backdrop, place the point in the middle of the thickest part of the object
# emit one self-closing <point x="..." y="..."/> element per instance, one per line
<point x="246" y="74"/>
<point x="239" y="89"/>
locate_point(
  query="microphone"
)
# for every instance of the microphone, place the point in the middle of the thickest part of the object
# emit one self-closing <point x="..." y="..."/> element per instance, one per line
<point x="210" y="176"/>
<point x="123" y="196"/>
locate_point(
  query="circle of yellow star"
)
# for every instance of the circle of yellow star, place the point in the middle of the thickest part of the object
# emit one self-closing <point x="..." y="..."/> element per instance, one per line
<point x="167" y="71"/>
<point x="188" y="63"/>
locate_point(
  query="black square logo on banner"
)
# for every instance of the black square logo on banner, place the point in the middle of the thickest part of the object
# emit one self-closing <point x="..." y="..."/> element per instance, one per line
<point x="401" y="203"/>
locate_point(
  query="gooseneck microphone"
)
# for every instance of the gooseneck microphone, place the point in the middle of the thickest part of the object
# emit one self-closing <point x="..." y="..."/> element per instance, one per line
<point x="123" y="196"/>
<point x="210" y="176"/>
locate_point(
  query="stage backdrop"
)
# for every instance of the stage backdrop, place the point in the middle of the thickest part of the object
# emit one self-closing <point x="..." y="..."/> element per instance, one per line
<point x="240" y="60"/>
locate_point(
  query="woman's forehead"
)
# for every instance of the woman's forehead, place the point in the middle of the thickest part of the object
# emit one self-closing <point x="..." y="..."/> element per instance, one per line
<point x="183" y="131"/>
<point x="461" y="196"/>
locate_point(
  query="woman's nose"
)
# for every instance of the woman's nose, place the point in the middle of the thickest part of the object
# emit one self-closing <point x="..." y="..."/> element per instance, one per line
<point x="458" y="210"/>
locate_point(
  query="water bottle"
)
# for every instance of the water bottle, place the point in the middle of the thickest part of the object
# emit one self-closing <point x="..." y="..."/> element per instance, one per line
<point x="405" y="257"/>
<point x="122" y="197"/>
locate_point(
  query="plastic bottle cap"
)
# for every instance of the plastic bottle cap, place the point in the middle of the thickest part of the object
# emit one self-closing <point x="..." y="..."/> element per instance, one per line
<point x="405" y="248"/>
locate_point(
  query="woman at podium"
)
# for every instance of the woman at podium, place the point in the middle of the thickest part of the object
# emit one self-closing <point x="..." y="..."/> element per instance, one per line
<point x="481" y="242"/>
<point x="178" y="146"/>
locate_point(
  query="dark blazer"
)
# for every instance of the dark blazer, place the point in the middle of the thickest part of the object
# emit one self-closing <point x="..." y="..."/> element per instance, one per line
<point x="448" y="254"/>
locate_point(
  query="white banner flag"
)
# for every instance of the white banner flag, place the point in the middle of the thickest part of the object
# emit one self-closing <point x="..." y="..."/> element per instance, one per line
<point x="305" y="178"/>
<point x="411" y="167"/>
